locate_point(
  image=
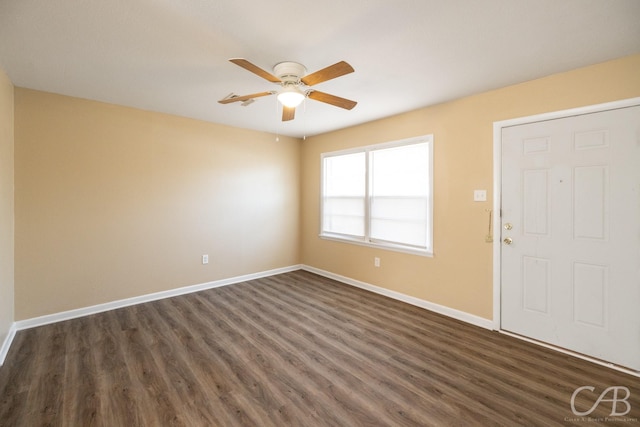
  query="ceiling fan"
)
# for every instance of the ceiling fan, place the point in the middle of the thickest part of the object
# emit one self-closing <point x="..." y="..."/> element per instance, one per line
<point x="295" y="85"/>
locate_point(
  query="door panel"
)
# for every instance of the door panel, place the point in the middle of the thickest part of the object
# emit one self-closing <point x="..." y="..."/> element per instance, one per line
<point x="590" y="289"/>
<point x="570" y="273"/>
<point x="536" y="277"/>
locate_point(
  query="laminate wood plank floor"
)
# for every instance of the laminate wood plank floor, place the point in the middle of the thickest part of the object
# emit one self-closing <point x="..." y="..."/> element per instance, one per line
<point x="294" y="349"/>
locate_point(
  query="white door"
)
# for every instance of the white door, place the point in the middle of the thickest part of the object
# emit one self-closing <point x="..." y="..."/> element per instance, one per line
<point x="570" y="256"/>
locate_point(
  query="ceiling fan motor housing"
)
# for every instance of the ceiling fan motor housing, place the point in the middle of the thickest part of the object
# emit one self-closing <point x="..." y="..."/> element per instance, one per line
<point x="289" y="72"/>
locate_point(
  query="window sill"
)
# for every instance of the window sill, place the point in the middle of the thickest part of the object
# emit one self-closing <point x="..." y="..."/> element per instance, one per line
<point x="378" y="245"/>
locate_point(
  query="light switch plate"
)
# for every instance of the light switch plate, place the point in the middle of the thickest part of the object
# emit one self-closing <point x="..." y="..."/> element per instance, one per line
<point x="479" y="195"/>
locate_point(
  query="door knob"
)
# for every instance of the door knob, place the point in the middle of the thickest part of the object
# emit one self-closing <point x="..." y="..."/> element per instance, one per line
<point x="508" y="240"/>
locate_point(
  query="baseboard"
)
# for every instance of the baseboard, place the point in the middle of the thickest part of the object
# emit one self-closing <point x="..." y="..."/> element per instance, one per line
<point x="7" y="343"/>
<point x="437" y="308"/>
<point x="99" y="308"/>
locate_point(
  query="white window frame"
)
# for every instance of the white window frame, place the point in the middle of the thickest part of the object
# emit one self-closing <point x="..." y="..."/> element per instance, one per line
<point x="367" y="241"/>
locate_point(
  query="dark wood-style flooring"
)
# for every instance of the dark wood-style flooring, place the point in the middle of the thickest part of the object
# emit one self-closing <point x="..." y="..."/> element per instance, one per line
<point x="294" y="349"/>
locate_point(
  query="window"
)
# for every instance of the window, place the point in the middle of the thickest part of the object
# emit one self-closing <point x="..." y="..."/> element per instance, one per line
<point x="380" y="195"/>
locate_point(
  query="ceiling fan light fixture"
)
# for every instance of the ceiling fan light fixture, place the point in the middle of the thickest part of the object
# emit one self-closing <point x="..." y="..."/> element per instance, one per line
<point x="291" y="97"/>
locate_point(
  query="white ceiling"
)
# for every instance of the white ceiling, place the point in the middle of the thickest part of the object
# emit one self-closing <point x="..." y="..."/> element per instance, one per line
<point x="172" y="55"/>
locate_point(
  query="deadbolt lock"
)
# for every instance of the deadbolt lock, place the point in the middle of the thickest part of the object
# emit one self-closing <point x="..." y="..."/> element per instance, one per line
<point x="508" y="226"/>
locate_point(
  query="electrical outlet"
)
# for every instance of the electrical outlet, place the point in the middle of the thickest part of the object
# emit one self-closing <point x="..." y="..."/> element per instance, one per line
<point x="376" y="262"/>
<point x="205" y="259"/>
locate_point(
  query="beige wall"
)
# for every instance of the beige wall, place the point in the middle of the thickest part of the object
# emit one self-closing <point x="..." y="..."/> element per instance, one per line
<point x="114" y="202"/>
<point x="459" y="276"/>
<point x="6" y="206"/>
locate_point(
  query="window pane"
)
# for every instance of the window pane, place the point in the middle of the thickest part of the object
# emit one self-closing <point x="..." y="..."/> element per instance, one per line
<point x="401" y="171"/>
<point x="408" y="233"/>
<point x="400" y="208"/>
<point x="400" y="194"/>
<point x="344" y="194"/>
<point x="344" y="215"/>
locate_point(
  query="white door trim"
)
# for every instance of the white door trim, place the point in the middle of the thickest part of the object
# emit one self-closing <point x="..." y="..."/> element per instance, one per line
<point x="497" y="184"/>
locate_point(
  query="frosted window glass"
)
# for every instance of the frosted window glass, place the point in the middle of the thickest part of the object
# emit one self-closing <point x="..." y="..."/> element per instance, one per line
<point x="400" y="194"/>
<point x="344" y="194"/>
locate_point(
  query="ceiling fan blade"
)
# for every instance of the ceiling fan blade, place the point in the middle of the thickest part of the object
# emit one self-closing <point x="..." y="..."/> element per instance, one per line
<point x="347" y="104"/>
<point x="331" y="72"/>
<point x="288" y="113"/>
<point x="231" y="99"/>
<point x="255" y="70"/>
